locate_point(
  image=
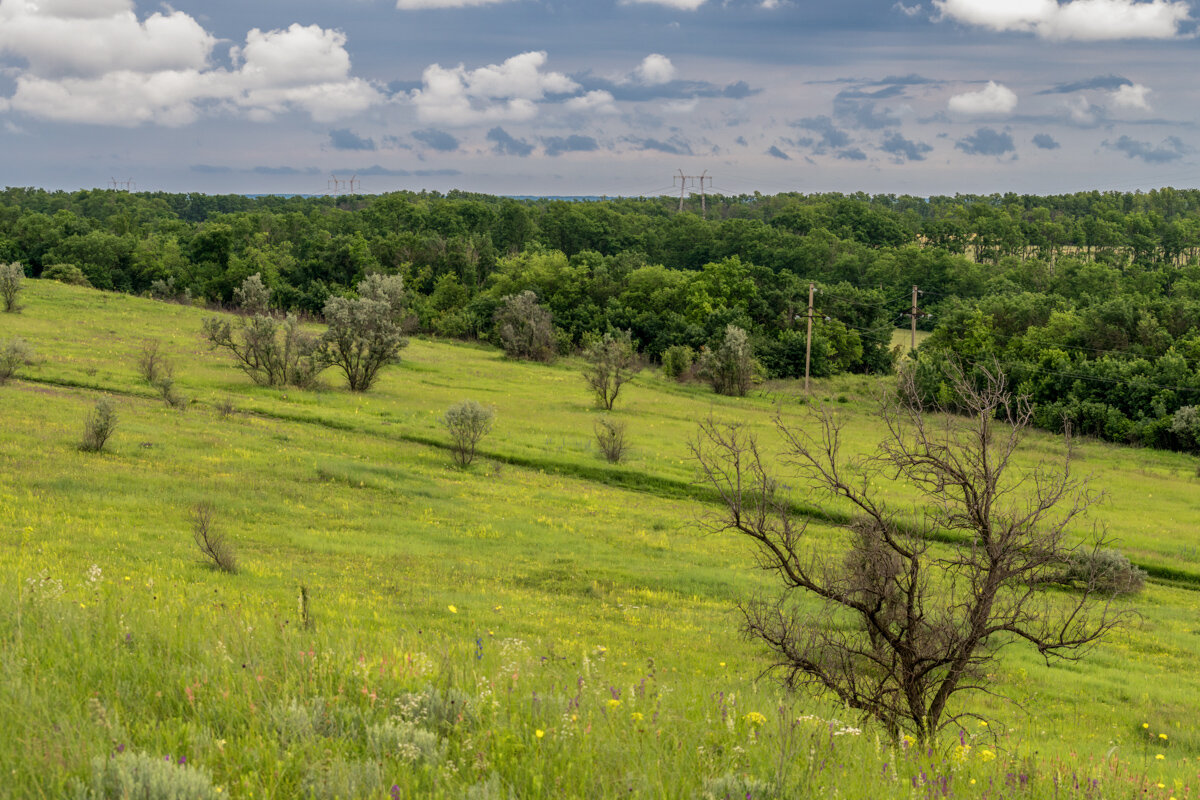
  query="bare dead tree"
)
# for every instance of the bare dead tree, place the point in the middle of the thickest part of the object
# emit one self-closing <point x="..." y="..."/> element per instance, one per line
<point x="902" y="624"/>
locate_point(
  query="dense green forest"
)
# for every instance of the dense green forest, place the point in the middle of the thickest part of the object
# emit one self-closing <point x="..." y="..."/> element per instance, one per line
<point x="1091" y="301"/>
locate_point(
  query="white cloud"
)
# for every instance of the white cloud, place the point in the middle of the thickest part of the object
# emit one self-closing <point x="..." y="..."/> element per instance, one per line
<point x="681" y="106"/>
<point x="413" y="5"/>
<point x="92" y="61"/>
<point x="1133" y="96"/>
<point x="596" y="102"/>
<point x="507" y="92"/>
<point x="995" y="98"/>
<point x="1088" y="20"/>
<point x="72" y="38"/>
<point x="908" y="11"/>
<point x="682" y="5"/>
<point x="655" y="69"/>
<point x="1081" y="112"/>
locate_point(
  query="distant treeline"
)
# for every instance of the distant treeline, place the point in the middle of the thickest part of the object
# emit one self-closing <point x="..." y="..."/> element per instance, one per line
<point x="1090" y="300"/>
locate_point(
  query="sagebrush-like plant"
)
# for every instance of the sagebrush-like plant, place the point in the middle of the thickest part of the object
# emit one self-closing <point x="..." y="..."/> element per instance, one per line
<point x="610" y="438"/>
<point x="12" y="276"/>
<point x="14" y="355"/>
<point x="468" y="422"/>
<point x="99" y="426"/>
<point x="140" y="775"/>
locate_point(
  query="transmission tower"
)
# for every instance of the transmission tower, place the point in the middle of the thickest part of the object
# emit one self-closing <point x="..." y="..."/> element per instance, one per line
<point x="126" y="185"/>
<point x="689" y="182"/>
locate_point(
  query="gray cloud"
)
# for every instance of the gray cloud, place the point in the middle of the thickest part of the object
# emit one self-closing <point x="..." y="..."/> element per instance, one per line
<point x="209" y="169"/>
<point x="506" y="145"/>
<point x="831" y="136"/>
<point x="775" y="152"/>
<point x="986" y="142"/>
<point x="436" y="140"/>
<point x="377" y="170"/>
<point x="859" y="108"/>
<point x="1044" y="141"/>
<point x="557" y="145"/>
<point x="1108" y="83"/>
<point x="285" y="171"/>
<point x="670" y="90"/>
<point x="904" y="149"/>
<point x="1171" y="149"/>
<point x="676" y="146"/>
<point x="346" y="139"/>
<point x="855" y="154"/>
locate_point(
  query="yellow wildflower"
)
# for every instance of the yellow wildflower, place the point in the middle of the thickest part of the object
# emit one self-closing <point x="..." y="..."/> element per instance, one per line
<point x="986" y="755"/>
<point x="1162" y="736"/>
<point x="636" y="716"/>
<point x="613" y="702"/>
<point x="453" y="610"/>
<point x="539" y="733"/>
<point x="755" y="718"/>
<point x="1145" y="724"/>
<point x="1159" y="757"/>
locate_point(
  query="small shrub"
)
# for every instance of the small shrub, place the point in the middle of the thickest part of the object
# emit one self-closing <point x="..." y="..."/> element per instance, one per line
<point x="151" y="364"/>
<point x="338" y="778"/>
<point x="141" y="775"/>
<point x="610" y="437"/>
<point x="66" y="273"/>
<point x="99" y="426"/>
<point x="1107" y="571"/>
<point x="213" y="544"/>
<point x="253" y="296"/>
<point x="14" y="355"/>
<point x="397" y="738"/>
<point x="12" y="276"/>
<point x="525" y="329"/>
<point x="438" y="710"/>
<point x="677" y="361"/>
<point x="730" y="367"/>
<point x="225" y="407"/>
<point x="612" y="362"/>
<point x="468" y="422"/>
<point x="736" y="787"/>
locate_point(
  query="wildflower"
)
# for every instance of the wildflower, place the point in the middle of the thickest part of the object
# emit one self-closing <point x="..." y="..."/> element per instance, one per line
<point x="972" y="781"/>
<point x="539" y="733"/>
<point x="986" y="755"/>
<point x="1145" y="724"/>
<point x="908" y="740"/>
<point x="961" y="752"/>
<point x="1162" y="786"/>
<point x="1162" y="736"/>
<point x="983" y="723"/>
<point x="453" y="610"/>
<point x="613" y="702"/>
<point x="722" y="663"/>
<point x="636" y="716"/>
<point x="1159" y="757"/>
<point x="755" y="718"/>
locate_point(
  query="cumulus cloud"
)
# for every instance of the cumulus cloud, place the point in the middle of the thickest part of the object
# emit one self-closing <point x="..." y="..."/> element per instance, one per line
<point x="1044" y="141"/>
<point x="908" y="11"/>
<point x="415" y="5"/>
<point x="346" y="139"/>
<point x="995" y="98"/>
<point x="775" y="152"/>
<point x="557" y="145"/>
<point x="1171" y="149"/>
<point x="986" y="142"/>
<point x="855" y="154"/>
<point x="504" y="144"/>
<point x="598" y="101"/>
<point x="655" y="69"/>
<point x="831" y="136"/>
<point x="1132" y="96"/>
<point x="904" y="149"/>
<point x="675" y="147"/>
<point x="682" y="5"/>
<point x="1086" y="20"/>
<point x="97" y="63"/>
<point x="506" y="92"/>
<point x="436" y="140"/>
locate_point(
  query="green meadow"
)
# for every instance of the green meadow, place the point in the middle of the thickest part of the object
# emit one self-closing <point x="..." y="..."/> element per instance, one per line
<point x="540" y="625"/>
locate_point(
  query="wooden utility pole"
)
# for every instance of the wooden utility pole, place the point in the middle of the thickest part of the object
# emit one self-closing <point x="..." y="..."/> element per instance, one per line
<point x="808" y="340"/>
<point x="914" y="319"/>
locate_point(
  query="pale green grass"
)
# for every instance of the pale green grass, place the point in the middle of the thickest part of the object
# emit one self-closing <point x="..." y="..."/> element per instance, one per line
<point x="534" y="583"/>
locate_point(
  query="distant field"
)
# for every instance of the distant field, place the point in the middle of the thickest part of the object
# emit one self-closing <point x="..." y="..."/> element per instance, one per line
<point x="540" y="625"/>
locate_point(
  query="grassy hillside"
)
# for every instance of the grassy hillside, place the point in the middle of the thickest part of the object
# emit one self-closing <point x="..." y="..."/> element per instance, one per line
<point x="540" y="625"/>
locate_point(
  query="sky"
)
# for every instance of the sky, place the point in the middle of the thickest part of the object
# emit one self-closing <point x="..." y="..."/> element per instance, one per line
<point x="600" y="97"/>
